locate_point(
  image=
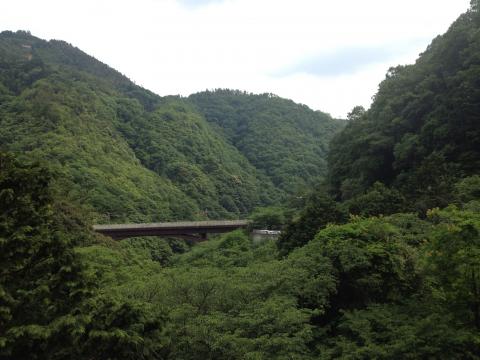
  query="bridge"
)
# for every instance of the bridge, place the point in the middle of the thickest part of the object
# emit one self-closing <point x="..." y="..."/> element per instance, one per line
<point x="191" y="230"/>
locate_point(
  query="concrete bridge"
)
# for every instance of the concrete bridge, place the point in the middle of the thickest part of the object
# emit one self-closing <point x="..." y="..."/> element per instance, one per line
<point x="191" y="230"/>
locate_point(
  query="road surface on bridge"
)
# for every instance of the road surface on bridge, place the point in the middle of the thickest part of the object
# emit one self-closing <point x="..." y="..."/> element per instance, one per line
<point x="194" y="230"/>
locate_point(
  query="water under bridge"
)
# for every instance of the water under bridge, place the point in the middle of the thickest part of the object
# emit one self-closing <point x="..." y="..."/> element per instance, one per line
<point x="192" y="230"/>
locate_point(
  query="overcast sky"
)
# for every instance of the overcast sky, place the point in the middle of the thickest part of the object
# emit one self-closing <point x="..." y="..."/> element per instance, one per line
<point x="327" y="54"/>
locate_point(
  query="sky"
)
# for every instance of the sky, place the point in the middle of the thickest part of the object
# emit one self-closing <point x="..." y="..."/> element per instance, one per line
<point x="330" y="55"/>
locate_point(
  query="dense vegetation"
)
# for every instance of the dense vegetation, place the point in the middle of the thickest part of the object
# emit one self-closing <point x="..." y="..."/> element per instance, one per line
<point x="284" y="140"/>
<point x="421" y="134"/>
<point x="50" y="304"/>
<point x="382" y="261"/>
<point x="132" y="155"/>
<point x="388" y="287"/>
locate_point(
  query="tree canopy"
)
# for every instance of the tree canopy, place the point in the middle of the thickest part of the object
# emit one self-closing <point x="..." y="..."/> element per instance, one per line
<point x="379" y="261"/>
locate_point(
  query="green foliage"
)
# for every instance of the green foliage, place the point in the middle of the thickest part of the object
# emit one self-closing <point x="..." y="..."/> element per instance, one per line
<point x="41" y="280"/>
<point x="232" y="249"/>
<point x="320" y="210"/>
<point x="405" y="287"/>
<point x="378" y="200"/>
<point x="213" y="316"/>
<point x="226" y="298"/>
<point x="118" y="263"/>
<point x="50" y="305"/>
<point x="158" y="249"/>
<point x="378" y="294"/>
<point x="69" y="124"/>
<point x="121" y="330"/>
<point x="131" y="155"/>
<point x="371" y="288"/>
<point x="468" y="189"/>
<point x="453" y="254"/>
<point x="286" y="141"/>
<point x="195" y="158"/>
<point x="391" y="286"/>
<point x="421" y="133"/>
<point x="385" y="331"/>
<point x="368" y="261"/>
<point x="271" y="218"/>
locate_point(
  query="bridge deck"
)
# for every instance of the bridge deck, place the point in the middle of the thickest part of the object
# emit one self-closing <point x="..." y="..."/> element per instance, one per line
<point x="196" y="230"/>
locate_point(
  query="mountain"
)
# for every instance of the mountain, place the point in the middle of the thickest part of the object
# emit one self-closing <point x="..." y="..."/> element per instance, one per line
<point x="286" y="141"/>
<point x="422" y="132"/>
<point x="129" y="154"/>
<point x="391" y="283"/>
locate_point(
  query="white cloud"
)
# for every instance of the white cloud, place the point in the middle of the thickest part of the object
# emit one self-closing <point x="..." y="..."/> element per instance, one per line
<point x="184" y="46"/>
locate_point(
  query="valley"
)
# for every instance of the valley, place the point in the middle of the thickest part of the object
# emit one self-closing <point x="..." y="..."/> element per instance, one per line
<point x="109" y="195"/>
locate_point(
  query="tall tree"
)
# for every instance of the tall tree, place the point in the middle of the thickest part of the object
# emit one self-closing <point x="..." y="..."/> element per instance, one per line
<point x="319" y="211"/>
<point x="41" y="280"/>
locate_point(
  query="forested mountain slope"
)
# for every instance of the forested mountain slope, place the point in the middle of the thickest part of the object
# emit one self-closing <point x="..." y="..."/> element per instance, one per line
<point x="287" y="141"/>
<point x="422" y="132"/>
<point x="122" y="150"/>
<point x="332" y="286"/>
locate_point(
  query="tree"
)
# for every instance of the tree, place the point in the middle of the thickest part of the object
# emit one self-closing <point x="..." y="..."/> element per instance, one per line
<point x="271" y="218"/>
<point x="378" y="200"/>
<point x="42" y="283"/>
<point x="49" y="304"/>
<point x="357" y="113"/>
<point x="453" y="258"/>
<point x="319" y="211"/>
<point x="468" y="189"/>
<point x="474" y="6"/>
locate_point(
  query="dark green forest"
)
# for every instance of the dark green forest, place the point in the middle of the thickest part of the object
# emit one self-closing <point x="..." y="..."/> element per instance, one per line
<point x="421" y="134"/>
<point x="379" y="255"/>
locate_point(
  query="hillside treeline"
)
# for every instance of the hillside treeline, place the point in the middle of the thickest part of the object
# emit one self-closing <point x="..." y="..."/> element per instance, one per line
<point x="380" y="260"/>
<point x="131" y="155"/>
